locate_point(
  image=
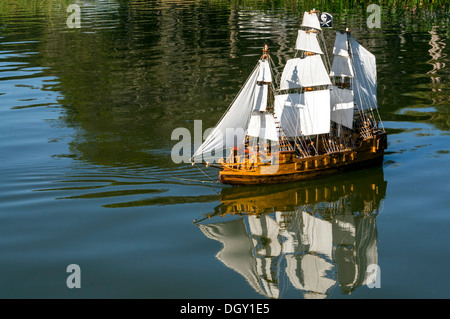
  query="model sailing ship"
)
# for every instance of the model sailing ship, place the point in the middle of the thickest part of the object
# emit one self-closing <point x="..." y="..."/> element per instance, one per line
<point x="316" y="122"/>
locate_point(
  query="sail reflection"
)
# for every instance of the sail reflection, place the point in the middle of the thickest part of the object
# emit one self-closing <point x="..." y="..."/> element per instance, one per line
<point x="317" y="236"/>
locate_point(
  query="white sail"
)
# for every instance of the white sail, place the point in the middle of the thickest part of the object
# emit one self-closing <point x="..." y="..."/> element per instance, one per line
<point x="341" y="44"/>
<point x="342" y="106"/>
<point x="263" y="125"/>
<point x="315" y="267"/>
<point x="365" y="81"/>
<point x="341" y="62"/>
<point x="318" y="234"/>
<point x="288" y="112"/>
<point x="309" y="71"/>
<point x="264" y="73"/>
<point x="310" y="20"/>
<point x="264" y="226"/>
<point x="341" y="66"/>
<point x="237" y="252"/>
<point x="260" y="101"/>
<point x="305" y="113"/>
<point x="264" y="232"/>
<point x="314" y="272"/>
<point x="307" y="41"/>
<point x="229" y="132"/>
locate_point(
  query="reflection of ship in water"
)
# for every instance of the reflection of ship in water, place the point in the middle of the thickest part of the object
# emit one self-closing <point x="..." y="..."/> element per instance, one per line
<point x="319" y="236"/>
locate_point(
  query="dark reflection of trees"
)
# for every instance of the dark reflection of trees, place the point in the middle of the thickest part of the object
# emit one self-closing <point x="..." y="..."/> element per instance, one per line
<point x="126" y="88"/>
<point x="314" y="237"/>
<point x="138" y="69"/>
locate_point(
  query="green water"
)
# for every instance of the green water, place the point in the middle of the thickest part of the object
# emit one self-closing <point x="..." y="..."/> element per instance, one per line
<point x="86" y="117"/>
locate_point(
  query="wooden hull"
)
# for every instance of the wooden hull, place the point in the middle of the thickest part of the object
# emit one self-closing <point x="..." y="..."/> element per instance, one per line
<point x="288" y="168"/>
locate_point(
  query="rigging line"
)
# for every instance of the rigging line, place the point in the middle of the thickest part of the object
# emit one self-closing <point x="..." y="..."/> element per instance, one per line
<point x="328" y="63"/>
<point x="213" y="180"/>
<point x="193" y="180"/>
<point x="355" y="79"/>
<point x="276" y="79"/>
<point x="208" y="141"/>
<point x="237" y="95"/>
<point x="299" y="141"/>
<point x="356" y="82"/>
<point x="324" y="144"/>
<point x="271" y="69"/>
<point x="216" y="181"/>
<point x="365" y="81"/>
<point x="295" y="122"/>
<point x="379" y="117"/>
<point x="303" y="145"/>
<point x="331" y="144"/>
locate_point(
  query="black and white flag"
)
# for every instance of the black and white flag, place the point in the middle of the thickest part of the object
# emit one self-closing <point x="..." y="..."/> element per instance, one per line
<point x="326" y="20"/>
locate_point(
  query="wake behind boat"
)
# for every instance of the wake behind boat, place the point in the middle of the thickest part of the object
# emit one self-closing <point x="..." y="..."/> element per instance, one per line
<point x="311" y="123"/>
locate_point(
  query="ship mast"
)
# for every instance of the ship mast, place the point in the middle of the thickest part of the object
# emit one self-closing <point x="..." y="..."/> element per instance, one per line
<point x="284" y="144"/>
<point x="303" y="100"/>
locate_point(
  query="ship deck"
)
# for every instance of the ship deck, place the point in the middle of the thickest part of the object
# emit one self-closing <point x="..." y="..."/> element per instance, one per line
<point x="289" y="168"/>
